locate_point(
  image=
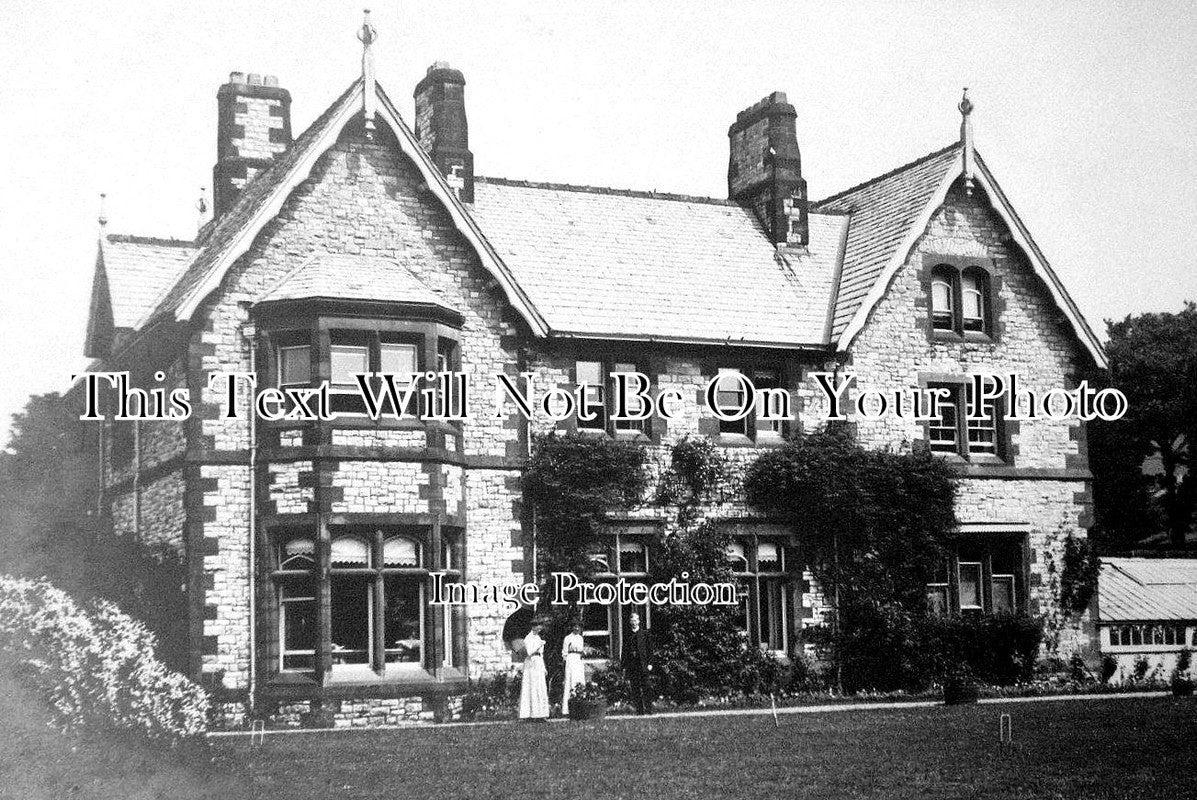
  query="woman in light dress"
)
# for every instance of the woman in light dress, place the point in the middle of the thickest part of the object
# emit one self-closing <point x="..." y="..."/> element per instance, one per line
<point x="534" y="692"/>
<point x="575" y="671"/>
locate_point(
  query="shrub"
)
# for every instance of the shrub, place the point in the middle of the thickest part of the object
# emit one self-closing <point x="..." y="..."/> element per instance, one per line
<point x="998" y="650"/>
<point x="1078" y="575"/>
<point x="97" y="666"/>
<point x="493" y="698"/>
<point x="587" y="693"/>
<point x="613" y="684"/>
<point x="1109" y="666"/>
<point x="875" y="527"/>
<point x="1183" y="662"/>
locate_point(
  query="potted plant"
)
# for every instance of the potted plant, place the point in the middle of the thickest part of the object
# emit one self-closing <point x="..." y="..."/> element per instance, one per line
<point x="960" y="687"/>
<point x="1182" y="684"/>
<point x="587" y="701"/>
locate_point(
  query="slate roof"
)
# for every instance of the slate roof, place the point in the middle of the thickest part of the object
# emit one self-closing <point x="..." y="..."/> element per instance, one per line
<point x="614" y="264"/>
<point x="139" y="270"/>
<point x="337" y="276"/>
<point x="883" y="210"/>
<point x="1145" y="589"/>
<point x="621" y="264"/>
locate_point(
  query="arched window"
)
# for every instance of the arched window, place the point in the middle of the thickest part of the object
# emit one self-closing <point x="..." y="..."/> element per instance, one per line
<point x="349" y="552"/>
<point x="943" y="297"/>
<point x="399" y="552"/>
<point x="297" y="553"/>
<point x="633" y="557"/>
<point x="600" y="556"/>
<point x="974" y="291"/>
<point x="769" y="558"/>
<point x="297" y="615"/>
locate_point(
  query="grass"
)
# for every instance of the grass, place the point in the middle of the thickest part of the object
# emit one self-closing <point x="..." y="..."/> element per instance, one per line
<point x="1126" y="748"/>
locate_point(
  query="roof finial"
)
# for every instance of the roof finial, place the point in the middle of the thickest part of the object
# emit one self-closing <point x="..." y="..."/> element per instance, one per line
<point x="201" y="206"/>
<point x="103" y="209"/>
<point x="965" y="107"/>
<point x="367" y="35"/>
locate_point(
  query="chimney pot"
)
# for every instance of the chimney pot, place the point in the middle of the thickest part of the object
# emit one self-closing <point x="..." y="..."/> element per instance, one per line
<point x="255" y="79"/>
<point x="270" y="80"/>
<point x="438" y="65"/>
<point x="236" y="77"/>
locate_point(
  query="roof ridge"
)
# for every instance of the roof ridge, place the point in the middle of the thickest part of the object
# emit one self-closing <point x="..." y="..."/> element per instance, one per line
<point x="129" y="238"/>
<point x="573" y="187"/>
<point x="877" y="179"/>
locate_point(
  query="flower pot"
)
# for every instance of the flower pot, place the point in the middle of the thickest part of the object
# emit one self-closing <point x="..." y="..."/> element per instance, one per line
<point x="1182" y="687"/>
<point x="959" y="692"/>
<point x="587" y="709"/>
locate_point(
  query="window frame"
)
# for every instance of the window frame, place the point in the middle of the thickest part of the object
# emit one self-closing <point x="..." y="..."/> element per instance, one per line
<point x="1120" y="636"/>
<point x="983" y="551"/>
<point x="380" y="582"/>
<point x="610" y="545"/>
<point x="953" y="324"/>
<point x="751" y="429"/>
<point x="429" y="338"/>
<point x="605" y="425"/>
<point x="962" y="447"/>
<point x="764" y="591"/>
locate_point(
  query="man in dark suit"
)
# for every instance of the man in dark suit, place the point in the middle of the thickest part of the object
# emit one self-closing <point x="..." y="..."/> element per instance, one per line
<point x="637" y="664"/>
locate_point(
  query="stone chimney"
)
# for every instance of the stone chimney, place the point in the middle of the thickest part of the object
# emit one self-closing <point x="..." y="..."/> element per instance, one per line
<point x="764" y="172"/>
<point x="441" y="126"/>
<point x="253" y="126"/>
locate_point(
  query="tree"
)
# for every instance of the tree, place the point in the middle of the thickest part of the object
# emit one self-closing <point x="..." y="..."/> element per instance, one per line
<point x="1153" y="361"/>
<point x="45" y="488"/>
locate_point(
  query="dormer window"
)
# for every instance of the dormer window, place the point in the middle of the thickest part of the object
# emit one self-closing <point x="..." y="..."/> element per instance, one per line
<point x="960" y="299"/>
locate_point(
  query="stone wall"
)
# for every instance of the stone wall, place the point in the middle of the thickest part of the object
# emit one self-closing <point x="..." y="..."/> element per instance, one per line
<point x="362" y="198"/>
<point x="1044" y="484"/>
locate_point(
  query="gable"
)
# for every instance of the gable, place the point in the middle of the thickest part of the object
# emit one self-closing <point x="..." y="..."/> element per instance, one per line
<point x="131" y="274"/>
<point x="890" y="214"/>
<point x="98" y="341"/>
<point x="265" y="196"/>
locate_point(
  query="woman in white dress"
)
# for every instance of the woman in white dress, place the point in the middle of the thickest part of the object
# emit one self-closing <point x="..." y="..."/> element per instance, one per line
<point x="534" y="692"/>
<point x="575" y="671"/>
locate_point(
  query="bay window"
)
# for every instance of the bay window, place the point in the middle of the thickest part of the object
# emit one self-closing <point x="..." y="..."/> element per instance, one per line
<point x="379" y="619"/>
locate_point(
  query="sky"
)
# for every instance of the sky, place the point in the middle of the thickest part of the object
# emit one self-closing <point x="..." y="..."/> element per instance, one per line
<point x="1085" y="112"/>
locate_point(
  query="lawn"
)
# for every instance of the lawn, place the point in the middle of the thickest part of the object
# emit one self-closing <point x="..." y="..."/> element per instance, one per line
<point x="1127" y="748"/>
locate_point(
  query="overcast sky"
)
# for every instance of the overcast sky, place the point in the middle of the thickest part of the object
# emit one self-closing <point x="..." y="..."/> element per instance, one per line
<point x="1086" y="113"/>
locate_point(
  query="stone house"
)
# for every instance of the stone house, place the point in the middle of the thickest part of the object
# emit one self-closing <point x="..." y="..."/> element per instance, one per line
<point x="369" y="244"/>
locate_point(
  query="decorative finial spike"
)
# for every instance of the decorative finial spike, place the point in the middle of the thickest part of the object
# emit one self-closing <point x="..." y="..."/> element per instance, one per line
<point x="965" y="106"/>
<point x="103" y="219"/>
<point x="201" y="206"/>
<point x="367" y="35"/>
